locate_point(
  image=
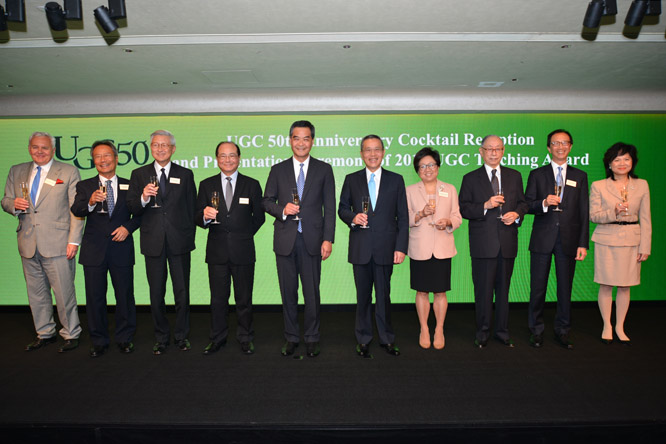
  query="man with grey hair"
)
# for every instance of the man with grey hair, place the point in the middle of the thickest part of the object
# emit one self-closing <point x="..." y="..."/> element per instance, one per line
<point x="492" y="199"/>
<point x="39" y="194"/>
<point x="166" y="207"/>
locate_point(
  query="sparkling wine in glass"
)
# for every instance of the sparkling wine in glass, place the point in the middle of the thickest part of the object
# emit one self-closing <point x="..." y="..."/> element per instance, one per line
<point x="156" y="182"/>
<point x="215" y="203"/>
<point x="296" y="200"/>
<point x="500" y="192"/>
<point x="432" y="203"/>
<point x="365" y="206"/>
<point x="558" y="192"/>
<point x="624" y="192"/>
<point x="26" y="193"/>
<point x="102" y="188"/>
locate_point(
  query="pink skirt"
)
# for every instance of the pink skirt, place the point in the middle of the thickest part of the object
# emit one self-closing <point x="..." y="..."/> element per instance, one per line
<point x="616" y="266"/>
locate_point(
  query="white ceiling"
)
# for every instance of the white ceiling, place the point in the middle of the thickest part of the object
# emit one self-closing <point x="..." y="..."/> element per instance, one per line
<point x="254" y="55"/>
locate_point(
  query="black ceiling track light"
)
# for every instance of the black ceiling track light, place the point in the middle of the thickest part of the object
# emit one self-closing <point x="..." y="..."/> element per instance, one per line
<point x="637" y="11"/>
<point x="106" y="17"/>
<point x="14" y="11"/>
<point x="596" y="9"/>
<point x="57" y="17"/>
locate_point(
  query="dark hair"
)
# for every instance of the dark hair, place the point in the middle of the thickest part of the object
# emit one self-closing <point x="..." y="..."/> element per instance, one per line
<point x="620" y="149"/>
<point x="302" y="124"/>
<point x="552" y="133"/>
<point x="227" y="141"/>
<point x="370" y="137"/>
<point x="106" y="142"/>
<point x="425" y="152"/>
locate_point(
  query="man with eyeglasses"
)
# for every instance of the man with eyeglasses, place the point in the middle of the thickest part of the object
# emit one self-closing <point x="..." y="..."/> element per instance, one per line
<point x="167" y="235"/>
<point x="377" y="240"/>
<point x="557" y="195"/>
<point x="107" y="247"/>
<point x="492" y="199"/>
<point x="48" y="237"/>
<point x="229" y="206"/>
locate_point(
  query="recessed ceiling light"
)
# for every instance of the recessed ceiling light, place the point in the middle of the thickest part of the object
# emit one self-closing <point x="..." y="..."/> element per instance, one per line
<point x="490" y="84"/>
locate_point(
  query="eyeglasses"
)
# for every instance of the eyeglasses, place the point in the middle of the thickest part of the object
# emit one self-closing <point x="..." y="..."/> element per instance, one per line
<point x="493" y="150"/>
<point x="224" y="157"/>
<point x="160" y="145"/>
<point x="429" y="166"/>
<point x="103" y="156"/>
<point x="556" y="144"/>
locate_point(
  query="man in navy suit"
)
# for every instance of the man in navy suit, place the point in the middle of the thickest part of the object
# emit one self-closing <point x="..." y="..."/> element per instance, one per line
<point x="374" y="250"/>
<point x="230" y="248"/>
<point x="561" y="229"/>
<point x="492" y="199"/>
<point x="107" y="246"/>
<point x="300" y="244"/>
<point x="167" y="235"/>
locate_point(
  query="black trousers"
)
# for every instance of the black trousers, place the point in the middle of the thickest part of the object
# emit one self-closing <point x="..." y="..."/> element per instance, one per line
<point x="492" y="276"/>
<point x="219" y="278"/>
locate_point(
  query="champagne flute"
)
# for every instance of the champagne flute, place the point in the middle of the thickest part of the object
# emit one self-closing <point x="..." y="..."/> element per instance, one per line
<point x="365" y="204"/>
<point x="156" y="182"/>
<point x="624" y="192"/>
<point x="102" y="188"/>
<point x="558" y="192"/>
<point x="215" y="203"/>
<point x="296" y="200"/>
<point x="26" y="193"/>
<point x="500" y="192"/>
<point x="432" y="203"/>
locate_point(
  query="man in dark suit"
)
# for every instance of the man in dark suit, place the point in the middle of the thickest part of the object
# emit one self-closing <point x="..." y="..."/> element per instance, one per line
<point x="107" y="246"/>
<point x="300" y="244"/>
<point x="560" y="229"/>
<point x="230" y="248"/>
<point x="377" y="240"/>
<point x="48" y="237"/>
<point x="492" y="199"/>
<point x="167" y="235"/>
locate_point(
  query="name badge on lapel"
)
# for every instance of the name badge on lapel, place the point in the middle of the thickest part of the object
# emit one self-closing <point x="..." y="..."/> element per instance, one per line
<point x="244" y="200"/>
<point x="50" y="182"/>
<point x="175" y="180"/>
<point x="123" y="186"/>
<point x="571" y="183"/>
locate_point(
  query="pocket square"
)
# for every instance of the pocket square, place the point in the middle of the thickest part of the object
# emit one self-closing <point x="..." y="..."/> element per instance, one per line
<point x="59" y="181"/>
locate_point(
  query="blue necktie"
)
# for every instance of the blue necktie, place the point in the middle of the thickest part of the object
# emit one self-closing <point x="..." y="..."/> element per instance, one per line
<point x="300" y="185"/>
<point x="559" y="181"/>
<point x="372" y="189"/>
<point x="109" y="197"/>
<point x="35" y="186"/>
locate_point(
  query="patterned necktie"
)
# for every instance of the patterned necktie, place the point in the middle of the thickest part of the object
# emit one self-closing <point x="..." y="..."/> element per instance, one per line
<point x="109" y="197"/>
<point x="559" y="181"/>
<point x="494" y="182"/>
<point x="300" y="185"/>
<point x="229" y="195"/>
<point x="35" y="186"/>
<point x="372" y="189"/>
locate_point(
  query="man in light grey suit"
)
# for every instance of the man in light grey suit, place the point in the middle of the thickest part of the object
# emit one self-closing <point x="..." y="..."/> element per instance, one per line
<point x="48" y="238"/>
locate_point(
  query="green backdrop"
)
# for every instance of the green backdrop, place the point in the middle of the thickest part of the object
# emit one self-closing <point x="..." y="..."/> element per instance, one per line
<point x="264" y="141"/>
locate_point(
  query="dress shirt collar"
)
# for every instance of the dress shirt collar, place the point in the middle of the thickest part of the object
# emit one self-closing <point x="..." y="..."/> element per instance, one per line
<point x="158" y="169"/>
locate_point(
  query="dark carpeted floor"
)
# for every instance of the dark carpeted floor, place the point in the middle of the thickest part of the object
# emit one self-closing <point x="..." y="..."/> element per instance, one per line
<point x="462" y="390"/>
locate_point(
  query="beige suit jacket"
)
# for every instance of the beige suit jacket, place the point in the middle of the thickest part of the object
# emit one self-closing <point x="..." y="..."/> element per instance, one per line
<point x="603" y="198"/>
<point x="424" y="240"/>
<point x="50" y="225"/>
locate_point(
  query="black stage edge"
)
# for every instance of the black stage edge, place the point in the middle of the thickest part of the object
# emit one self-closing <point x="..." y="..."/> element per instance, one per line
<point x="594" y="393"/>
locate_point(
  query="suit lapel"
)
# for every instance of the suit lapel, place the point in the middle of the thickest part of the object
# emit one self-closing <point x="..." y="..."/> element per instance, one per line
<point x="53" y="174"/>
<point x="485" y="182"/>
<point x="312" y="170"/>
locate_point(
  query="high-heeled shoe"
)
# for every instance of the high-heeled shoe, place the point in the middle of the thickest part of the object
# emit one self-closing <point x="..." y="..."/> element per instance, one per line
<point x="607" y="341"/>
<point x="627" y="342"/>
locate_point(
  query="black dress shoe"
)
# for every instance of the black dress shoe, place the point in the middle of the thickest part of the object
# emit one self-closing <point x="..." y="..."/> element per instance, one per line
<point x="564" y="341"/>
<point x="506" y="342"/>
<point x="247" y="347"/>
<point x="627" y="342"/>
<point x="183" y="344"/>
<point x="126" y="347"/>
<point x="480" y="344"/>
<point x="536" y="341"/>
<point x="213" y="347"/>
<point x="68" y="345"/>
<point x="312" y="349"/>
<point x="607" y="341"/>
<point x="391" y="349"/>
<point x="288" y="348"/>
<point x="159" y="348"/>
<point x="40" y="342"/>
<point x="363" y="350"/>
<point x="98" y="350"/>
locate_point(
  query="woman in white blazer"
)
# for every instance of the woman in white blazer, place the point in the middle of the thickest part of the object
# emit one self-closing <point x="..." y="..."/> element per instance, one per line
<point x="433" y="216"/>
<point x="620" y="205"/>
